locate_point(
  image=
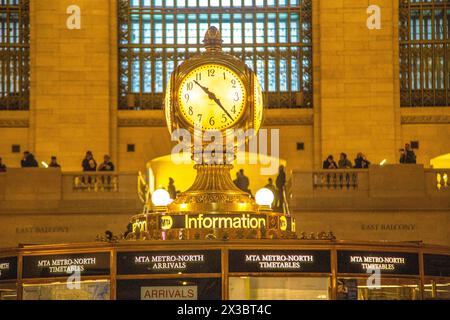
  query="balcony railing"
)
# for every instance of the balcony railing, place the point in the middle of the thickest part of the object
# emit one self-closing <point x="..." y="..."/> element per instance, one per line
<point x="379" y="187"/>
<point x="336" y="179"/>
<point x="94" y="182"/>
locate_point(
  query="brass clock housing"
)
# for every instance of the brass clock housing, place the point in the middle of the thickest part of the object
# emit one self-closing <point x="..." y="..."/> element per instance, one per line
<point x="248" y="114"/>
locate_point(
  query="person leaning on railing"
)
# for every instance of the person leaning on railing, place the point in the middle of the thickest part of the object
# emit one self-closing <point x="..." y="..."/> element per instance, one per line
<point x="89" y="163"/>
<point x="343" y="162"/>
<point x="361" y="162"/>
<point x="2" y="166"/>
<point x="29" y="161"/>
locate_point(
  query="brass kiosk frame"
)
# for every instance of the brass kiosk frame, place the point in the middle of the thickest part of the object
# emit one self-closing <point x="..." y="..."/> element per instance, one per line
<point x="333" y="247"/>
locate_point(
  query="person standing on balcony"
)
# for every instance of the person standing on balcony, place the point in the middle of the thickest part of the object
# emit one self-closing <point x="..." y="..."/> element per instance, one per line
<point x="172" y="189"/>
<point x="2" y="166"/>
<point x="29" y="161"/>
<point x="361" y="162"/>
<point x="329" y="163"/>
<point x="407" y="155"/>
<point x="281" y="184"/>
<point x="244" y="182"/>
<point x="274" y="190"/>
<point x="89" y="163"/>
<point x="107" y="164"/>
<point x="54" y="163"/>
<point x="344" y="163"/>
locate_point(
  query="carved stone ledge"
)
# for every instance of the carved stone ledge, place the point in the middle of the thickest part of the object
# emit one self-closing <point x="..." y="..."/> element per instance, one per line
<point x="14" y="123"/>
<point x="137" y="122"/>
<point x="305" y="120"/>
<point x="426" y="119"/>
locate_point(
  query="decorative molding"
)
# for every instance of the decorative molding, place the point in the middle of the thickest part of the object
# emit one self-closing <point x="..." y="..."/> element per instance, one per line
<point x="142" y="122"/>
<point x="306" y="120"/>
<point x="14" y="123"/>
<point x="426" y="119"/>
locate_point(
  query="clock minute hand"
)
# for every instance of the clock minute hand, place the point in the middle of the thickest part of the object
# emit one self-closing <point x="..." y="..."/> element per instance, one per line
<point x="213" y="97"/>
<point x="223" y="108"/>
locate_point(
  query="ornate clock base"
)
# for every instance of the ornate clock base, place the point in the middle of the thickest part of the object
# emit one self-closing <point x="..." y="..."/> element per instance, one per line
<point x="213" y="208"/>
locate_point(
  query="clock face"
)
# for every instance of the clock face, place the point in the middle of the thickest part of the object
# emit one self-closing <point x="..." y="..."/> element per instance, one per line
<point x="212" y="97"/>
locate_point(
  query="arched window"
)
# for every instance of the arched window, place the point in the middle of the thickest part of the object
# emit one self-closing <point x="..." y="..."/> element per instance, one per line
<point x="424" y="53"/>
<point x="273" y="37"/>
<point x="14" y="54"/>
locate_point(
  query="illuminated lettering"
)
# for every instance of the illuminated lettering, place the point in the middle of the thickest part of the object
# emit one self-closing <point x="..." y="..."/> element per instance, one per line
<point x="210" y="222"/>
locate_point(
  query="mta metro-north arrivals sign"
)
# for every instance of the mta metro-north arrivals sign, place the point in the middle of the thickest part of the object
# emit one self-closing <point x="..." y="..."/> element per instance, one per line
<point x="167" y="262"/>
<point x="279" y="261"/>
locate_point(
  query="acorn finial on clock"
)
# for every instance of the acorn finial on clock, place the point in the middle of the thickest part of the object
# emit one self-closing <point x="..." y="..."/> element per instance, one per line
<point x="213" y="40"/>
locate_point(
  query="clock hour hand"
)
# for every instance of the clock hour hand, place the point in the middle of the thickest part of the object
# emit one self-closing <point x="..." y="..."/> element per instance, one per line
<point x="213" y="97"/>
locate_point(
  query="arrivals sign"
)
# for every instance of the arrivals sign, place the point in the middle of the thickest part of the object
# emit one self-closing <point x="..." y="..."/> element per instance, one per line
<point x="436" y="265"/>
<point x="8" y="268"/>
<point x="84" y="264"/>
<point x="386" y="262"/>
<point x="317" y="261"/>
<point x="169" y="293"/>
<point x="163" y="262"/>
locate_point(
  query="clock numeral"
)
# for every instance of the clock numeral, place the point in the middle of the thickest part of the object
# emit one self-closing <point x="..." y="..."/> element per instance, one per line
<point x="224" y="118"/>
<point x="236" y="96"/>
<point x="211" y="73"/>
<point x="212" y="121"/>
<point x="224" y="76"/>
<point x="186" y="97"/>
<point x="233" y="82"/>
<point x="233" y="109"/>
<point x="198" y="76"/>
<point x="190" y="85"/>
<point x="191" y="111"/>
<point x="200" y="116"/>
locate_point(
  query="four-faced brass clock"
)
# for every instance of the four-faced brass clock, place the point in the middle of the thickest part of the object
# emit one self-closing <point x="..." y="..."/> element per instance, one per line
<point x="212" y="97"/>
<point x="213" y="91"/>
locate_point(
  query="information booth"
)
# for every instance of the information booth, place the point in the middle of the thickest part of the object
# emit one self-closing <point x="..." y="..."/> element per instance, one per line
<point x="236" y="270"/>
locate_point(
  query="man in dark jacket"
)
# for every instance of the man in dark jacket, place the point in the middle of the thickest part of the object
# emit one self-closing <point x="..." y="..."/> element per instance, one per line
<point x="29" y="160"/>
<point x="54" y="163"/>
<point x="281" y="184"/>
<point x="407" y="154"/>
<point x="361" y="162"/>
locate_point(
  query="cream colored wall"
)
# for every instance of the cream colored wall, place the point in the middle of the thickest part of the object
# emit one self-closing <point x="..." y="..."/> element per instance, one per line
<point x="434" y="140"/>
<point x="10" y="136"/>
<point x="60" y="228"/>
<point x="431" y="227"/>
<point x="150" y="143"/>
<point x="357" y="104"/>
<point x="70" y="81"/>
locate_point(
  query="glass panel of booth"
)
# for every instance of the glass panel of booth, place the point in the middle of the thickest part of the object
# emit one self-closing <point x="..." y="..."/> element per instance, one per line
<point x="437" y="276"/>
<point x="8" y="278"/>
<point x="280" y="288"/>
<point x="81" y="290"/>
